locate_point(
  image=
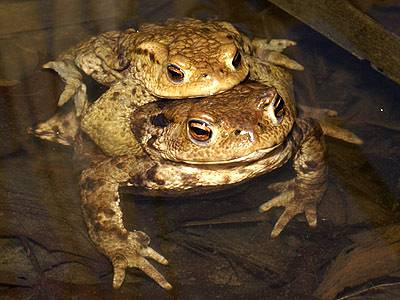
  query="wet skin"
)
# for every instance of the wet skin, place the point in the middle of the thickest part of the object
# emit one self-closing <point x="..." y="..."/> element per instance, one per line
<point x="198" y="145"/>
<point x="177" y="59"/>
<point x="188" y="146"/>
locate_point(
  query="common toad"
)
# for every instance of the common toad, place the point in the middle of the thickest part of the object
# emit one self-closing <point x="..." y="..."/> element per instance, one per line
<point x="178" y="59"/>
<point x="200" y="145"/>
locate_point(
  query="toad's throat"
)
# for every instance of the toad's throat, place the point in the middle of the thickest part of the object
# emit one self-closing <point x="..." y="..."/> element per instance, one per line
<point x="253" y="156"/>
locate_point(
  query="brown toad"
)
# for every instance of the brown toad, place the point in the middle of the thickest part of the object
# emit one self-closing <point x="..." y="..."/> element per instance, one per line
<point x="178" y="59"/>
<point x="200" y="145"/>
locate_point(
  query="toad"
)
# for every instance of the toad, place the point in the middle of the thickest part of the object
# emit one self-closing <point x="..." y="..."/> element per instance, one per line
<point x="178" y="59"/>
<point x="201" y="145"/>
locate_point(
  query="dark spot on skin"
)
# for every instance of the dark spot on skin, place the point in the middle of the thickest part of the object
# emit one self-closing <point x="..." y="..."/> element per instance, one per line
<point x="90" y="184"/>
<point x="108" y="212"/>
<point x="311" y="164"/>
<point x="123" y="61"/>
<point x="120" y="165"/>
<point x="262" y="126"/>
<point x="151" y="175"/>
<point x="206" y="30"/>
<point x="152" y="140"/>
<point x="159" y="120"/>
<point x="230" y="37"/>
<point x="136" y="180"/>
<point x="161" y="104"/>
<point x="152" y="59"/>
<point x="134" y="91"/>
<point x="221" y="71"/>
<point x="97" y="226"/>
<point x="237" y="131"/>
<point x="157" y="62"/>
<point x="116" y="94"/>
<point x="56" y="129"/>
<point x="143" y="238"/>
<point x="121" y="234"/>
<point x="141" y="51"/>
<point x="188" y="178"/>
<point x="305" y="169"/>
<point x="227" y="179"/>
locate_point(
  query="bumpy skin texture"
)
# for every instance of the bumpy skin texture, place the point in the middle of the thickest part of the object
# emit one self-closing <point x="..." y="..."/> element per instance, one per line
<point x="212" y="55"/>
<point x="253" y="131"/>
<point x="205" y="58"/>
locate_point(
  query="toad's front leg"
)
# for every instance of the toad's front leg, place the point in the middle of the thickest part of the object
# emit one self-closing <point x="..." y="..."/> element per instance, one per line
<point x="103" y="216"/>
<point x="99" y="57"/>
<point x="304" y="192"/>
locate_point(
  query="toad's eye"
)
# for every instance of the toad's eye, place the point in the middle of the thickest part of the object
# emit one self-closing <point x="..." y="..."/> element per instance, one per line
<point x="237" y="59"/>
<point x="199" y="131"/>
<point x="175" y="74"/>
<point x="279" y="105"/>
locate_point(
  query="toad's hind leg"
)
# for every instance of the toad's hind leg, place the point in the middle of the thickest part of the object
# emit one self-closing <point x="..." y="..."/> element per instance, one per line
<point x="103" y="216"/>
<point x="303" y="193"/>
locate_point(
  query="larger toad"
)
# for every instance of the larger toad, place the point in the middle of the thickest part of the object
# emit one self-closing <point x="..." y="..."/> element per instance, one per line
<point x="200" y="145"/>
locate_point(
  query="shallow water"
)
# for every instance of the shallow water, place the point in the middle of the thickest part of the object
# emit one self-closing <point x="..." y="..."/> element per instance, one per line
<point x="218" y="246"/>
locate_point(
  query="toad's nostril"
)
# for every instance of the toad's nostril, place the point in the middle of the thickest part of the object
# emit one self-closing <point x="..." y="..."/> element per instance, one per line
<point x="261" y="126"/>
<point x="204" y="75"/>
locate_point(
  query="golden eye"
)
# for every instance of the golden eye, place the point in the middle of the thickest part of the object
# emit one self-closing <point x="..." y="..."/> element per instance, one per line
<point x="199" y="130"/>
<point x="237" y="59"/>
<point x="175" y="74"/>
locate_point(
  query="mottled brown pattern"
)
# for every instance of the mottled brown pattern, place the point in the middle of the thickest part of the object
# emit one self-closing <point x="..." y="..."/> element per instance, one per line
<point x="239" y="126"/>
<point x="151" y="175"/>
<point x="197" y="47"/>
<point x="137" y="61"/>
<point x="249" y="137"/>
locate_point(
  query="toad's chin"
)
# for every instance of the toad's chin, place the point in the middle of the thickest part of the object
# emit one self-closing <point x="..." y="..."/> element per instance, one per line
<point x="253" y="156"/>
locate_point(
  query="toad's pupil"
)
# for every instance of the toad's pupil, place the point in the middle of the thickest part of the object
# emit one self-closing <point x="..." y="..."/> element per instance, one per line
<point x="199" y="130"/>
<point x="175" y="73"/>
<point x="279" y="105"/>
<point x="237" y="59"/>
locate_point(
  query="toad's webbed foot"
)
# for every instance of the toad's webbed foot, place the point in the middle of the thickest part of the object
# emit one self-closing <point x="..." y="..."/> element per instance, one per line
<point x="271" y="51"/>
<point x="133" y="253"/>
<point x="295" y="202"/>
<point x="74" y="87"/>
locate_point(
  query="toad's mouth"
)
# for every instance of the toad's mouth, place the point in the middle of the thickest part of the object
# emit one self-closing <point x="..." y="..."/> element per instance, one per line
<point x="253" y="156"/>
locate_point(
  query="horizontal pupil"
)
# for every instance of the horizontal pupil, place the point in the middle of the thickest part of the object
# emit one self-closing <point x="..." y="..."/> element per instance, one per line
<point x="175" y="73"/>
<point x="199" y="130"/>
